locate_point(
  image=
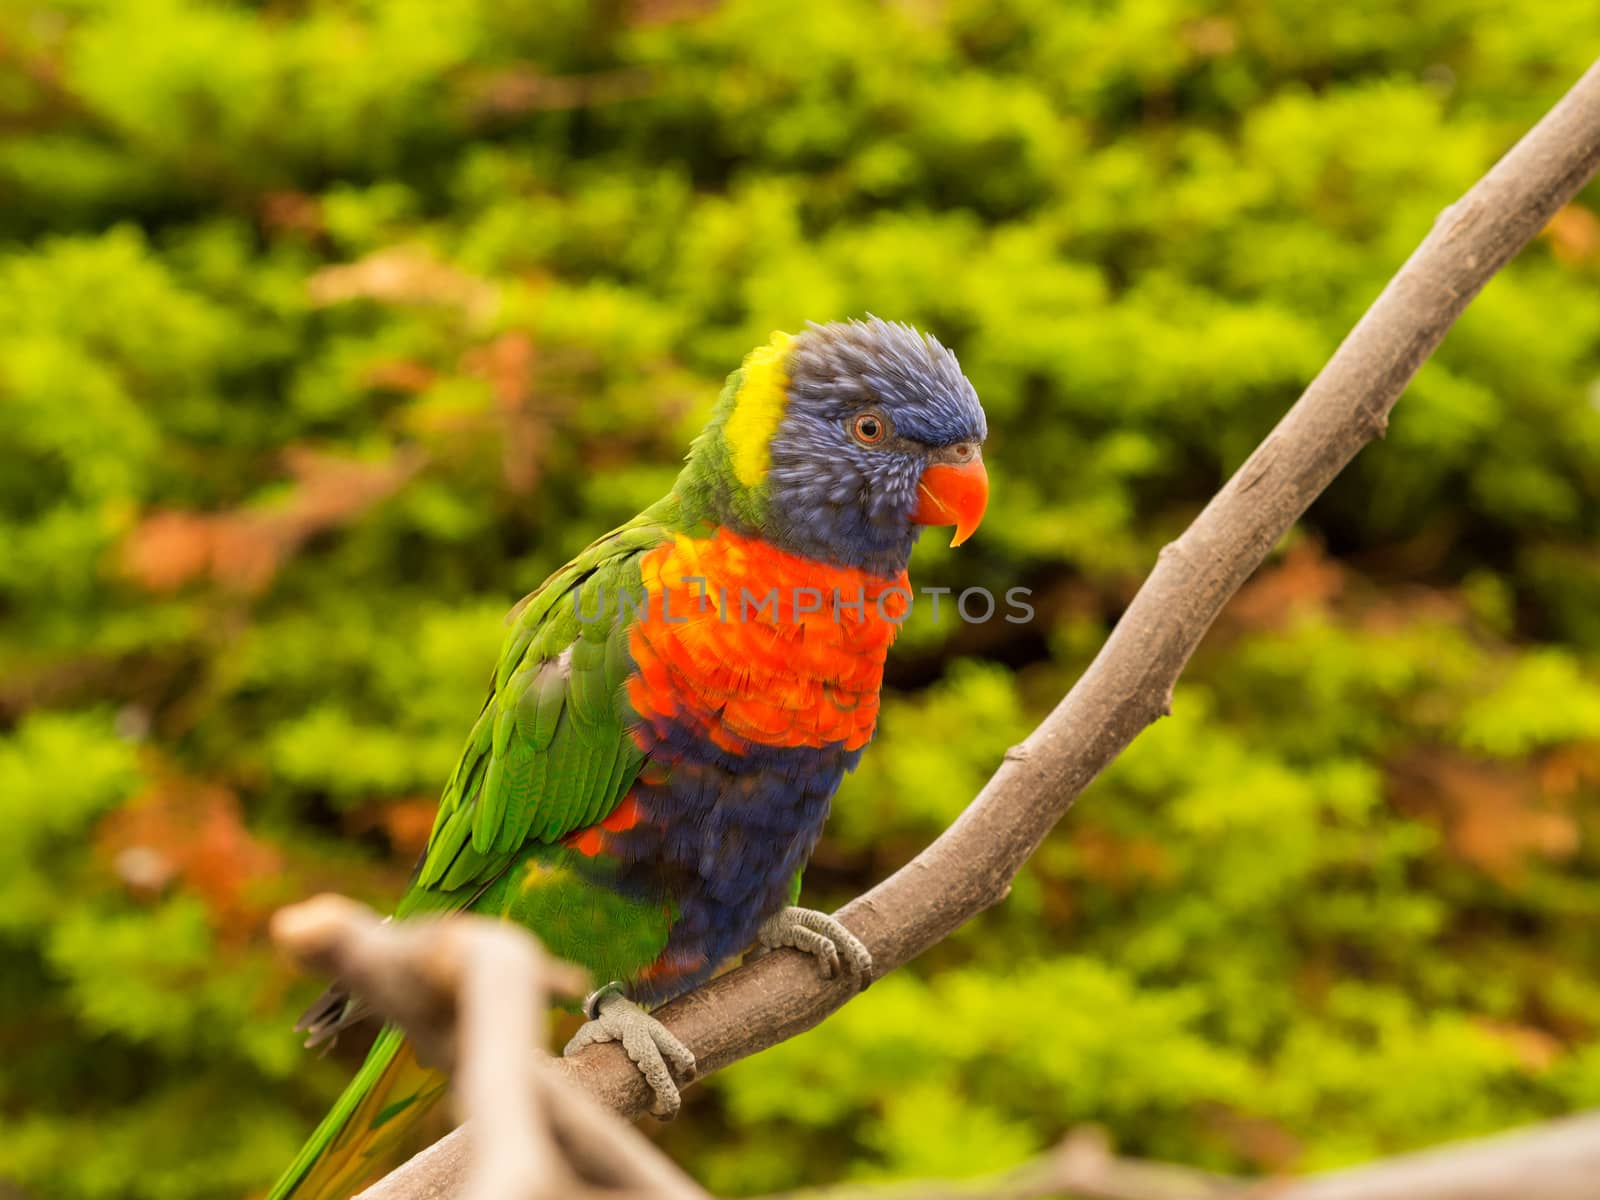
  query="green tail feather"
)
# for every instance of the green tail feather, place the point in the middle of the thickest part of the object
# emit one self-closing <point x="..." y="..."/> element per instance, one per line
<point x="387" y="1095"/>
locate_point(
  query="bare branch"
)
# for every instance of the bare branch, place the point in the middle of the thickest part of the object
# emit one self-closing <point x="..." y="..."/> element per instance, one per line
<point x="1082" y="1167"/>
<point x="970" y="867"/>
<point x="405" y="970"/>
<point x="1558" y="1160"/>
<point x="501" y="996"/>
<point x="472" y="991"/>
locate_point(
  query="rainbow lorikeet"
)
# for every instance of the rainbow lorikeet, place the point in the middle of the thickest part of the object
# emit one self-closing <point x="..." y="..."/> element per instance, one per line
<point x="674" y="709"/>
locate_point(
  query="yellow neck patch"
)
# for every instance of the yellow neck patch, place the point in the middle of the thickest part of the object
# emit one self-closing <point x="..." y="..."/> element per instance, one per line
<point x="757" y="409"/>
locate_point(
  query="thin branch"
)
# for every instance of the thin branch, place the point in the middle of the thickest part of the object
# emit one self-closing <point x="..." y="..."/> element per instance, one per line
<point x="519" y="90"/>
<point x="1558" y="1160"/>
<point x="1082" y="1167"/>
<point x="502" y="995"/>
<point x="605" y="1149"/>
<point x="470" y="993"/>
<point x="970" y="867"/>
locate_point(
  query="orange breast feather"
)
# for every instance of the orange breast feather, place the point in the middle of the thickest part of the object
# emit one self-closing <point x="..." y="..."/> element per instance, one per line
<point x="747" y="645"/>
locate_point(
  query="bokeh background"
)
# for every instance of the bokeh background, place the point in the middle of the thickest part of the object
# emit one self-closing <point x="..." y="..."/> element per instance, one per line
<point x="329" y="327"/>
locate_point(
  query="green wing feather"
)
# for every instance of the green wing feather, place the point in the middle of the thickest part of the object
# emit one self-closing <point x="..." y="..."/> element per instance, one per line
<point x="550" y="753"/>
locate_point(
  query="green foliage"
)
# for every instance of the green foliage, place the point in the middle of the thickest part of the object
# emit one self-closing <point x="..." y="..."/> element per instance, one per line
<point x="328" y="328"/>
<point x="1075" y="1040"/>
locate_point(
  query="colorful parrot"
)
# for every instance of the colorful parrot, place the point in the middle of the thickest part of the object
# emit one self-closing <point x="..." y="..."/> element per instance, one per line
<point x="674" y="709"/>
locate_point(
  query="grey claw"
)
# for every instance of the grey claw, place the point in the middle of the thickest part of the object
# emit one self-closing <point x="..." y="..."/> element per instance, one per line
<point x="822" y="937"/>
<point x="653" y="1049"/>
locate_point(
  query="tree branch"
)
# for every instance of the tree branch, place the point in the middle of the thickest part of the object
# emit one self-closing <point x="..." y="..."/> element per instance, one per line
<point x="470" y="993"/>
<point x="1558" y="1160"/>
<point x="971" y="865"/>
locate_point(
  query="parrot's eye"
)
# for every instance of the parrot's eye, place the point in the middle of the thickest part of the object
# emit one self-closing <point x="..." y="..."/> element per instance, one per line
<point x="869" y="429"/>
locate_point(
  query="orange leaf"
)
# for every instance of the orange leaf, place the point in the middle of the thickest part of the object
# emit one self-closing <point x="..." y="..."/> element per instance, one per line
<point x="169" y="549"/>
<point x="403" y="275"/>
<point x="399" y="375"/>
<point x="191" y="833"/>
<point x="1305" y="581"/>
<point x="243" y="549"/>
<point x="1494" y="815"/>
<point x="1574" y="234"/>
<point x="508" y="364"/>
<point x="406" y="823"/>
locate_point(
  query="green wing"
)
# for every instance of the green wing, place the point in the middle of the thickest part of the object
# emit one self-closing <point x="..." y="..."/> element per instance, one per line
<point x="549" y="753"/>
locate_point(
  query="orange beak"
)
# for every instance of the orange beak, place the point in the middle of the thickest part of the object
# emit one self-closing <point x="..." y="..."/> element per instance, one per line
<point x="952" y="494"/>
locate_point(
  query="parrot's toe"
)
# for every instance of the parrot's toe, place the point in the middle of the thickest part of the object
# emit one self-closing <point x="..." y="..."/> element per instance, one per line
<point x="651" y="1046"/>
<point x="819" y="935"/>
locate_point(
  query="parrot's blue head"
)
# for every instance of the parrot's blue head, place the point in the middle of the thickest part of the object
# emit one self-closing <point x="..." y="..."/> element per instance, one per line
<point x="841" y="442"/>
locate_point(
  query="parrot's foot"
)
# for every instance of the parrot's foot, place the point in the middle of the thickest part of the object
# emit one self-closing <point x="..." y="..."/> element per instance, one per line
<point x="819" y="935"/>
<point x="615" y="1018"/>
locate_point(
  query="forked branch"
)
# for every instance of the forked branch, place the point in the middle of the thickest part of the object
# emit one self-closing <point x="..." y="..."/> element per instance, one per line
<point x="470" y="993"/>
